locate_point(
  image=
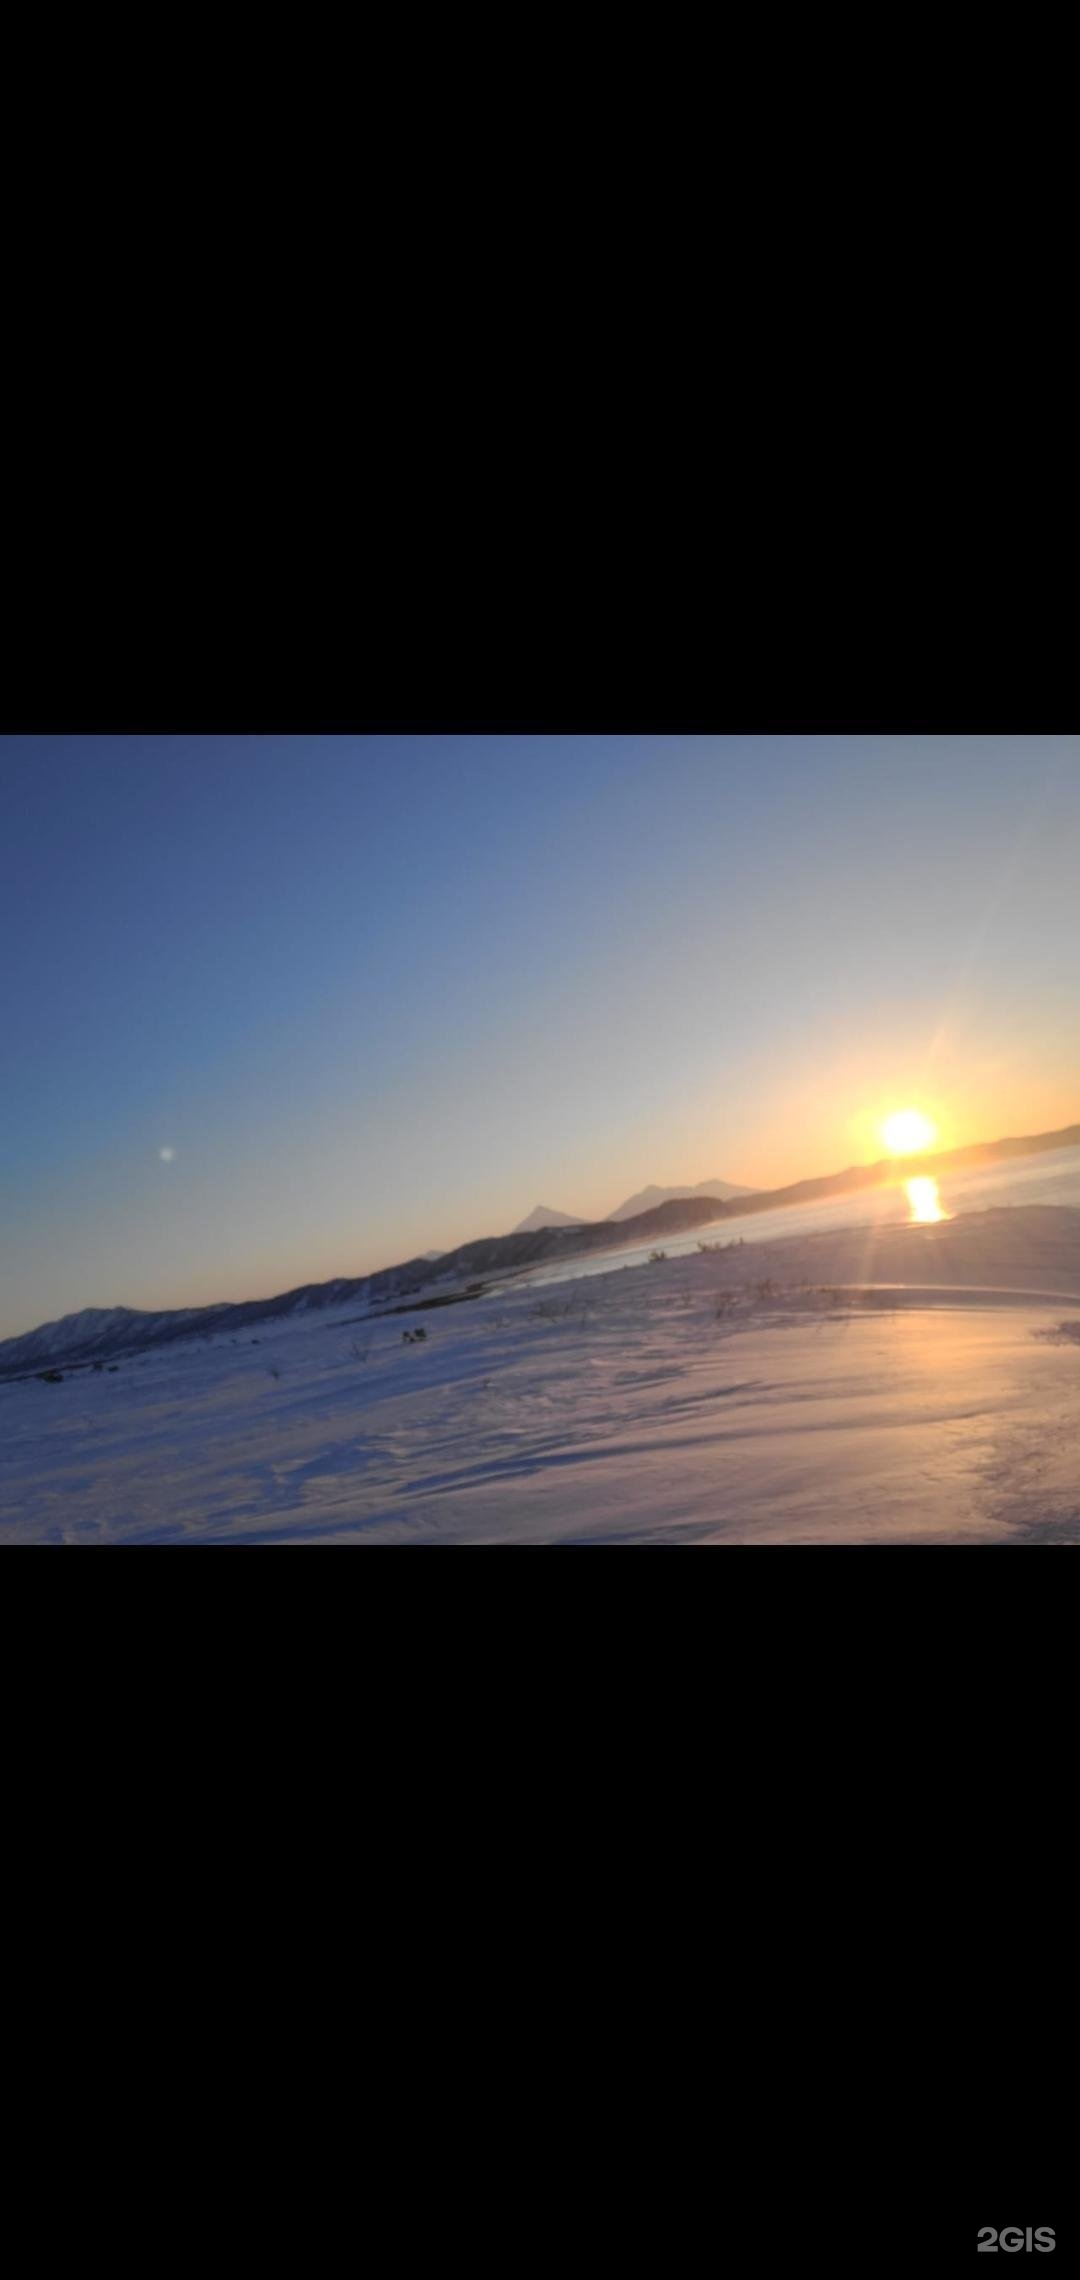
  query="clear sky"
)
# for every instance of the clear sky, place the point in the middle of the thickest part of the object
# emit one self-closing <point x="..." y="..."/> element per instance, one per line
<point x="375" y="996"/>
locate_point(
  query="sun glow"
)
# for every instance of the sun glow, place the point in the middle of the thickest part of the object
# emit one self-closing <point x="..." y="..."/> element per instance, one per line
<point x="908" y="1131"/>
<point x="924" y="1202"/>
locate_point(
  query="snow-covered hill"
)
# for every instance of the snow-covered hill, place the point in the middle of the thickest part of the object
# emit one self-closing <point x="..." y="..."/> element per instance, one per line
<point x="647" y="1198"/>
<point x="93" y="1329"/>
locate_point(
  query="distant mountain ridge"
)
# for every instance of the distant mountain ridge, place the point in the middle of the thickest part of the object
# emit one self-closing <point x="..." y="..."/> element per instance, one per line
<point x="542" y="1215"/>
<point x="647" y="1198"/>
<point x="104" y="1328"/>
<point x="101" y="1333"/>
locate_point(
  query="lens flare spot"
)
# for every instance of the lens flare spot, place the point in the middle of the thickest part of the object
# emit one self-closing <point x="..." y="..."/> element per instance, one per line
<point x="166" y="1155"/>
<point x="924" y="1202"/>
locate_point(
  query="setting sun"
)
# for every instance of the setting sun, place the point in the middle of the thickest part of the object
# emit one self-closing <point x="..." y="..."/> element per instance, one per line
<point x="908" y="1131"/>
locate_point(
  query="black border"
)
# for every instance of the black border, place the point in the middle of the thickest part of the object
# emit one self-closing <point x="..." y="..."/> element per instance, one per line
<point x="533" y="598"/>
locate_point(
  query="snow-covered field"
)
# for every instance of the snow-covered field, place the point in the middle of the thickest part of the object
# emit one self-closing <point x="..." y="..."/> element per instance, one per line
<point x="737" y="1396"/>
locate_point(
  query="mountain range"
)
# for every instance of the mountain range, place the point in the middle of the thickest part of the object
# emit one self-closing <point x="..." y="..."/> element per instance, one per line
<point x="100" y="1334"/>
<point x="542" y="1215"/>
<point x="647" y="1198"/>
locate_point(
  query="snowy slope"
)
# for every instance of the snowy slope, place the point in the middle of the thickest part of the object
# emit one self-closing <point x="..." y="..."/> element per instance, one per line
<point x="726" y="1396"/>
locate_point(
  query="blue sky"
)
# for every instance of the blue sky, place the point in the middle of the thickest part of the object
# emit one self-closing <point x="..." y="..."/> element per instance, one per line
<point x="379" y="995"/>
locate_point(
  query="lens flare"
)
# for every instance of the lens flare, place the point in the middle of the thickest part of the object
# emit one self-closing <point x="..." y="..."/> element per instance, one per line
<point x="924" y="1202"/>
<point x="908" y="1131"/>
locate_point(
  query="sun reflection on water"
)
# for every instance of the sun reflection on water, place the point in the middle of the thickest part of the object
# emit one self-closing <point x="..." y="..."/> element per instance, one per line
<point x="924" y="1201"/>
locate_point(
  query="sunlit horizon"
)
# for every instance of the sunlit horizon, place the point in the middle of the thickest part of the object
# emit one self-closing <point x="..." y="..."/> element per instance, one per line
<point x="291" y="1008"/>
